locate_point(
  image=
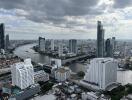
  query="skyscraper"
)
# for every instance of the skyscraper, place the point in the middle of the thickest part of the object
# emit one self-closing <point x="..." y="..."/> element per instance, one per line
<point x="42" y="44"/>
<point x="73" y="46"/>
<point x="52" y="45"/>
<point x="108" y="48"/>
<point x="22" y="74"/>
<point x="102" y="72"/>
<point x="2" y="36"/>
<point x="100" y="40"/>
<point x="7" y="42"/>
<point x="60" y="50"/>
<point x="114" y="43"/>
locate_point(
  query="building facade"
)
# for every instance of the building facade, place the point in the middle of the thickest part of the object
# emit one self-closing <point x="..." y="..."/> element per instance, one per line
<point x="2" y="36"/>
<point x="93" y="96"/>
<point x="27" y="93"/>
<point x="102" y="72"/>
<point x="60" y="49"/>
<point x="52" y="45"/>
<point x="100" y="40"/>
<point x="108" y="48"/>
<point x="73" y="46"/>
<point x="22" y="74"/>
<point x="57" y="62"/>
<point x="62" y="74"/>
<point x="114" y="43"/>
<point x="42" y="44"/>
<point x="7" y="42"/>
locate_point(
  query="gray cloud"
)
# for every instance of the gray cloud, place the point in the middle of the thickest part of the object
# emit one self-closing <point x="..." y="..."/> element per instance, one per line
<point x="122" y="3"/>
<point x="11" y="4"/>
<point x="52" y="11"/>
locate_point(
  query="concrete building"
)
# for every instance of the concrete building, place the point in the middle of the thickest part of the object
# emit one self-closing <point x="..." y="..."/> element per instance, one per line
<point x="102" y="72"/>
<point x="73" y="46"/>
<point x="60" y="50"/>
<point x="47" y="45"/>
<point x="7" y="42"/>
<point x="52" y="45"/>
<point x="27" y="93"/>
<point x="22" y="74"/>
<point x="100" y="40"/>
<point x="89" y="96"/>
<point x="2" y="36"/>
<point x="6" y="88"/>
<point x="41" y="76"/>
<point x="93" y="96"/>
<point x="57" y="62"/>
<point x="62" y="74"/>
<point x="108" y="48"/>
<point x="114" y="43"/>
<point x="42" y="44"/>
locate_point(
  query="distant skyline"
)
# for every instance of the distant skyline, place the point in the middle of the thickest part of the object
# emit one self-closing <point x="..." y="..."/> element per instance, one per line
<point x="66" y="19"/>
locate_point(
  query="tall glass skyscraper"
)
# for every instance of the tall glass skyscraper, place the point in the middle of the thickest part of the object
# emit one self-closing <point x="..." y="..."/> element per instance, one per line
<point x="108" y="48"/>
<point x="2" y="36"/>
<point x="100" y="40"/>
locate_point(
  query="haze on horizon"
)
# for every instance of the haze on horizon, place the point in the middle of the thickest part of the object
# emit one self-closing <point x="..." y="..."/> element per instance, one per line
<point x="65" y="19"/>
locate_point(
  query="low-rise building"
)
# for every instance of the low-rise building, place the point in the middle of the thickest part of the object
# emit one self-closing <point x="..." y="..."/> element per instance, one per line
<point x="27" y="93"/>
<point x="57" y="62"/>
<point x="94" y="96"/>
<point x="62" y="74"/>
<point x="7" y="88"/>
<point x="41" y="76"/>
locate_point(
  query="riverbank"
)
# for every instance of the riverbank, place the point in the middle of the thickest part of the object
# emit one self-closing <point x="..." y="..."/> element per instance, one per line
<point x="123" y="77"/>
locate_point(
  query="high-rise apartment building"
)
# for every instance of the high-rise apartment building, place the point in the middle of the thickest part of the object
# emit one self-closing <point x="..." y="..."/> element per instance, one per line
<point x="42" y="44"/>
<point x="52" y="45"/>
<point x="2" y="36"/>
<point x="113" y="43"/>
<point x="22" y="74"/>
<point x="102" y="72"/>
<point x="73" y="46"/>
<point x="60" y="49"/>
<point x="100" y="40"/>
<point x="108" y="48"/>
<point x="7" y="42"/>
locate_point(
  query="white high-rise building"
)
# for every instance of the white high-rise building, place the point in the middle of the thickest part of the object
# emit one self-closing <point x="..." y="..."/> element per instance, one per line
<point x="52" y="45"/>
<point x="42" y="44"/>
<point x="102" y="72"/>
<point x="22" y="74"/>
<point x="60" y="51"/>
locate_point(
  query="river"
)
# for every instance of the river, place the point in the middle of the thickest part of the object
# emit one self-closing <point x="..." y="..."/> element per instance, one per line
<point x="26" y="51"/>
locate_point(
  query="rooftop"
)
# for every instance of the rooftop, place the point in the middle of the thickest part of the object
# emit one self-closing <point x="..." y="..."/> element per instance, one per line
<point x="62" y="70"/>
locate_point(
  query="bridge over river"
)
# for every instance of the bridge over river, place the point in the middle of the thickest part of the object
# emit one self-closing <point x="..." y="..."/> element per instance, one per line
<point x="73" y="59"/>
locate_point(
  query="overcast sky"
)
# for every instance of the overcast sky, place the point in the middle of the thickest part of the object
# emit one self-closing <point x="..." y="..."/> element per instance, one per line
<point x="64" y="19"/>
